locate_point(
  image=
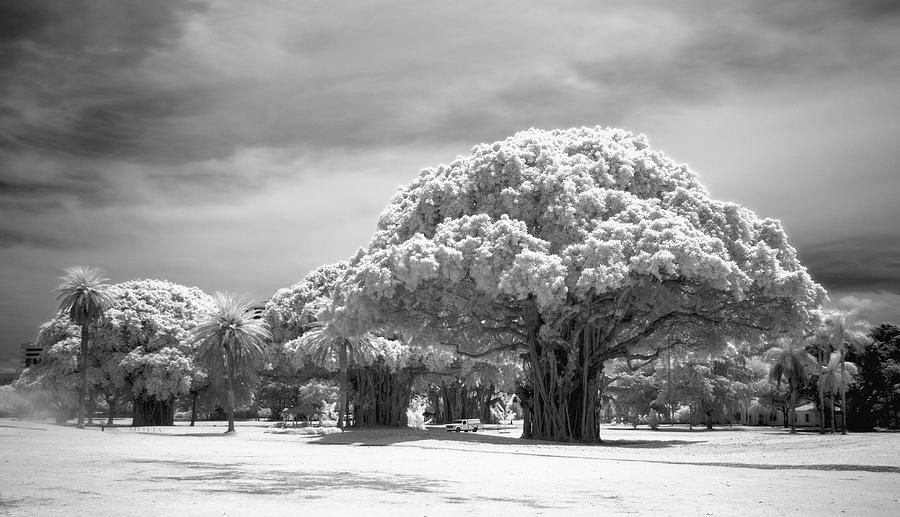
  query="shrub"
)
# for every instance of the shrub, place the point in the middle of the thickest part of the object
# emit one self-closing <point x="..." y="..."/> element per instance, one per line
<point x="13" y="403"/>
<point x="653" y="420"/>
<point x="415" y="413"/>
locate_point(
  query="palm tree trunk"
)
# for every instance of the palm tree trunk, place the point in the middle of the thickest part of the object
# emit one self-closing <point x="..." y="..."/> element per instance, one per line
<point x="821" y="393"/>
<point x="843" y="397"/>
<point x="229" y="357"/>
<point x="82" y="388"/>
<point x="833" y="406"/>
<point x="821" y="409"/>
<point x="793" y="408"/>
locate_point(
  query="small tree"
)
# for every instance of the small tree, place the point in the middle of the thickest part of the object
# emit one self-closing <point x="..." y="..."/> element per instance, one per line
<point x="789" y="361"/>
<point x="84" y="296"/>
<point x="635" y="390"/>
<point x="232" y="338"/>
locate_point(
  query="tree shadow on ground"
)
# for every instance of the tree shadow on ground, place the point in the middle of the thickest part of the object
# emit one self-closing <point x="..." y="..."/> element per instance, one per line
<point x="772" y="466"/>
<point x="231" y="478"/>
<point x="214" y="478"/>
<point x="384" y="436"/>
<point x="698" y="430"/>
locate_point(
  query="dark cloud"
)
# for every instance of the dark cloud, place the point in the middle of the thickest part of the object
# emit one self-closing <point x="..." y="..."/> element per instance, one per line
<point x="17" y="236"/>
<point x="863" y="262"/>
<point x="69" y="83"/>
<point x="92" y="33"/>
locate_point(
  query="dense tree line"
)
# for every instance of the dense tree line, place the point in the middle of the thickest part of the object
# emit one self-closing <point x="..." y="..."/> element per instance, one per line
<point x="575" y="268"/>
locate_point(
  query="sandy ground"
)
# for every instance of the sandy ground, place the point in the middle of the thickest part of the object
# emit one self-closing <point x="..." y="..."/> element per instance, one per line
<point x="52" y="470"/>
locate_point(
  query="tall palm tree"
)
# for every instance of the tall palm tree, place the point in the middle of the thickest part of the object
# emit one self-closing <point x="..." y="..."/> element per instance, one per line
<point x="789" y="361"/>
<point x="820" y="344"/>
<point x="231" y="338"/>
<point x="322" y="344"/>
<point x="847" y="332"/>
<point x="836" y="377"/>
<point x="85" y="295"/>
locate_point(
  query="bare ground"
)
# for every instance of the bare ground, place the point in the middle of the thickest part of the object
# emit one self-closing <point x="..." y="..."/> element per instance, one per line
<point x="55" y="470"/>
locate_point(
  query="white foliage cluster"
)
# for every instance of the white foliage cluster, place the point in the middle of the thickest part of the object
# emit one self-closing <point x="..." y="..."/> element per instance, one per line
<point x="150" y="321"/>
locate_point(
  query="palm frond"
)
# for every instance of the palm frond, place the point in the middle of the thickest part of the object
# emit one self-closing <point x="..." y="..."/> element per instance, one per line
<point x="831" y="380"/>
<point x="84" y="294"/>
<point x="789" y="361"/>
<point x="231" y="326"/>
<point x="321" y="345"/>
<point x="847" y="330"/>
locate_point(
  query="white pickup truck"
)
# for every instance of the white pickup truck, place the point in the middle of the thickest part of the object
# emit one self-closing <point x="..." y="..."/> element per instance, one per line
<point x="465" y="424"/>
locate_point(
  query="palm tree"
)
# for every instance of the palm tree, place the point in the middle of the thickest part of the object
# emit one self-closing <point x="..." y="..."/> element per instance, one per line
<point x="231" y="339"/>
<point x="847" y="332"/>
<point x="789" y="361"/>
<point x="322" y="344"/>
<point x="836" y="377"/>
<point x="820" y="343"/>
<point x="85" y="295"/>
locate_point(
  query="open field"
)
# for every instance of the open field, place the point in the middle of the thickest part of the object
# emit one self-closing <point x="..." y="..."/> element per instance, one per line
<point x="51" y="470"/>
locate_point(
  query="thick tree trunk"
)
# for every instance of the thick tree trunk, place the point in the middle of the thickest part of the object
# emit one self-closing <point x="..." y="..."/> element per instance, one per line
<point x="82" y="387"/>
<point x="437" y="404"/>
<point x="382" y="396"/>
<point x="90" y="407"/>
<point x="229" y="358"/>
<point x="111" y="403"/>
<point x="486" y="400"/>
<point x="525" y="395"/>
<point x="149" y="411"/>
<point x="344" y="402"/>
<point x="669" y="386"/>
<point x="194" y="396"/>
<point x="565" y="380"/>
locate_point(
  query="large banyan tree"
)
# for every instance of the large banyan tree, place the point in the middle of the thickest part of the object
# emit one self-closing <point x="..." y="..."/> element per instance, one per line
<point x="570" y="247"/>
<point x="148" y="325"/>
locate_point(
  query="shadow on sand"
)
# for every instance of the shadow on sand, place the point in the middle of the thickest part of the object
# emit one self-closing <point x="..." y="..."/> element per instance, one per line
<point x="384" y="436"/>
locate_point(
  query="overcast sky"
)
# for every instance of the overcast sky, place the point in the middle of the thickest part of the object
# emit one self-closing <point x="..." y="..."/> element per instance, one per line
<point x="237" y="145"/>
